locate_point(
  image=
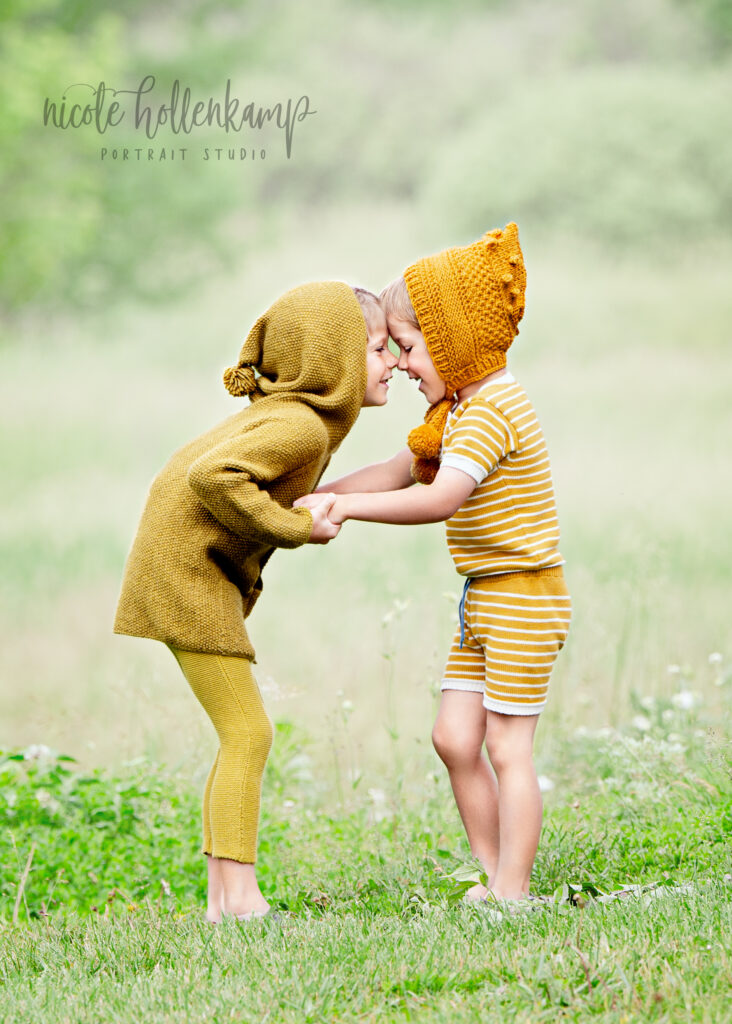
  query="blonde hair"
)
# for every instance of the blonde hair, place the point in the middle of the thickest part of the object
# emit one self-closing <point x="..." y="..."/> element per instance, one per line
<point x="370" y="305"/>
<point x="395" y="301"/>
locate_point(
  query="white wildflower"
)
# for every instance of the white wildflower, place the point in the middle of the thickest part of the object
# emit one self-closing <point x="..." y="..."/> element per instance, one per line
<point x="715" y="658"/>
<point x="48" y="802"/>
<point x="673" y="670"/>
<point x="545" y="783"/>
<point x="36" y="751"/>
<point x="641" y="723"/>
<point x="378" y="797"/>
<point x="649" y="703"/>
<point x="667" y="716"/>
<point x="347" y="706"/>
<point x="684" y="700"/>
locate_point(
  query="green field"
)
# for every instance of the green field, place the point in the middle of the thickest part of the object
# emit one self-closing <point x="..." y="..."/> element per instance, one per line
<point x="124" y="292"/>
<point x="359" y="831"/>
<point x="634" y="854"/>
<point x="636" y="420"/>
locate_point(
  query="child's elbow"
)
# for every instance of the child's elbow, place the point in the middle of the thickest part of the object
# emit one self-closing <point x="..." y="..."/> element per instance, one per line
<point x="199" y="478"/>
<point x="444" y="508"/>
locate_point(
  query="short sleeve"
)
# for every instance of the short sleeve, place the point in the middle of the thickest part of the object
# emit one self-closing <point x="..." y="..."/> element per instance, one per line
<point x="478" y="440"/>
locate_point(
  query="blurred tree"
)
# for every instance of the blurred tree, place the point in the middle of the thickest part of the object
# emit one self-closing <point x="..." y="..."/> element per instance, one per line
<point x="587" y="117"/>
<point x="76" y="229"/>
<point x="717" y="16"/>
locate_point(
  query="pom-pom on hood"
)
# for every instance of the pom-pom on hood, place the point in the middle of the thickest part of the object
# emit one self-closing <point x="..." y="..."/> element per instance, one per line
<point x="309" y="346"/>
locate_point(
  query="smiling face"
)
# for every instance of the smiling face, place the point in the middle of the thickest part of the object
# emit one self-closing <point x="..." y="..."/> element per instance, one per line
<point x="380" y="361"/>
<point x="415" y="360"/>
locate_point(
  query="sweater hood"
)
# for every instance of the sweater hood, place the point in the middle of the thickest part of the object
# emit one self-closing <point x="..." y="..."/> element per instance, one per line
<point x="310" y="347"/>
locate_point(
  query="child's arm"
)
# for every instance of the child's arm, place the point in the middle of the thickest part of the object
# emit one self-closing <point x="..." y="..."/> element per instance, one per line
<point x="432" y="503"/>
<point x="391" y="475"/>
<point x="231" y="481"/>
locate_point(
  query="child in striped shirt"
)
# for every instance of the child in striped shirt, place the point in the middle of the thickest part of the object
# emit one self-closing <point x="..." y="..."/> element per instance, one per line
<point x="482" y="456"/>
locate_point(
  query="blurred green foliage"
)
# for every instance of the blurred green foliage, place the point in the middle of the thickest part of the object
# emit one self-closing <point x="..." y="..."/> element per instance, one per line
<point x="717" y="15"/>
<point x="627" y="158"/>
<point x="606" y="121"/>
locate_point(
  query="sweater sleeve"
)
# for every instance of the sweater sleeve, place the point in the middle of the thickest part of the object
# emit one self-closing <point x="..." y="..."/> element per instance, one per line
<point x="479" y="440"/>
<point x="231" y="480"/>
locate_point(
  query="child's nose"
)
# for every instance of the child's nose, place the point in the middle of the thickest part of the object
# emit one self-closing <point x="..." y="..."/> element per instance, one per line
<point x="391" y="359"/>
<point x="402" y="361"/>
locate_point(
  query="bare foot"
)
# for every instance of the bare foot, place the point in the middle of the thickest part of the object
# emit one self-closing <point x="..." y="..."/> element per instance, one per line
<point x="476" y="892"/>
<point x="246" y="910"/>
<point x="511" y="896"/>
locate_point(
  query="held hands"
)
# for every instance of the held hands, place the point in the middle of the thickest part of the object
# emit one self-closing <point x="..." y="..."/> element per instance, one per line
<point x="320" y="505"/>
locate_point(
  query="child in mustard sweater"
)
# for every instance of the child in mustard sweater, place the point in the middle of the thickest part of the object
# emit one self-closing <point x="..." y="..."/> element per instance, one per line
<point x="482" y="456"/>
<point x="214" y="516"/>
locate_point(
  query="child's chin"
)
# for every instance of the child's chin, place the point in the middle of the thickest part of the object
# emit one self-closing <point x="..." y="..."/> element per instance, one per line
<point x="374" y="401"/>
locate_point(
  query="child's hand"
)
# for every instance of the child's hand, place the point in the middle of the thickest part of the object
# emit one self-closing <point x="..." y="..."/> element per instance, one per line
<point x="323" y="529"/>
<point x="337" y="510"/>
<point x="309" y="500"/>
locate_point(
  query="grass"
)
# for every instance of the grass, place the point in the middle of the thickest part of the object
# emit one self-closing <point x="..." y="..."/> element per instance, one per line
<point x="110" y="923"/>
<point x="658" y="961"/>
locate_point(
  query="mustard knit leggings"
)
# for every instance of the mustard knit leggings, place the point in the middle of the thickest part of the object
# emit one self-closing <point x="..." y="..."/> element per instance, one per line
<point x="230" y="697"/>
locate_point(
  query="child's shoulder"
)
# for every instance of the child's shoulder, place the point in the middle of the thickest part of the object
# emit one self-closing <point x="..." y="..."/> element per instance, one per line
<point x="277" y="421"/>
<point x="494" y="397"/>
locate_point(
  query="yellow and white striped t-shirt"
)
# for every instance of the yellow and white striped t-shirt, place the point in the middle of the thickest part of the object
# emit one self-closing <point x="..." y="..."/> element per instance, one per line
<point x="509" y="523"/>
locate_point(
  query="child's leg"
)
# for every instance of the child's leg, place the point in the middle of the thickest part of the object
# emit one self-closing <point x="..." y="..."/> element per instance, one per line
<point x="509" y="740"/>
<point x="215" y="902"/>
<point x="215" y="895"/>
<point x="458" y="737"/>
<point x="521" y="623"/>
<point x="230" y="696"/>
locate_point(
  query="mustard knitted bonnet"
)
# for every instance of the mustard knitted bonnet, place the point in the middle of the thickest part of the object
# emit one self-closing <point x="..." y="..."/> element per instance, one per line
<point x="468" y="301"/>
<point x="310" y="345"/>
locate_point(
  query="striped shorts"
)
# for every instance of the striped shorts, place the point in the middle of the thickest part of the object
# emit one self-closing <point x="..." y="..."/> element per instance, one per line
<point x="515" y="625"/>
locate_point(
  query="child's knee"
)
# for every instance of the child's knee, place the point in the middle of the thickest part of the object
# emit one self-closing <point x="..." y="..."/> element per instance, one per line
<point x="261" y="737"/>
<point x="507" y="746"/>
<point x="451" y="746"/>
<point x="251" y="733"/>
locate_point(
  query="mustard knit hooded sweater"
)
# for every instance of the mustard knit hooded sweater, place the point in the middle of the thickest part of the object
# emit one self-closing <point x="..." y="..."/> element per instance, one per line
<point x="223" y="503"/>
